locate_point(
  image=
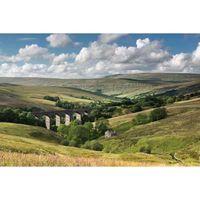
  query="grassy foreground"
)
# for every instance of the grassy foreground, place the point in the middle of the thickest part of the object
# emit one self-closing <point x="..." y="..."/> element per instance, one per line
<point x="20" y="146"/>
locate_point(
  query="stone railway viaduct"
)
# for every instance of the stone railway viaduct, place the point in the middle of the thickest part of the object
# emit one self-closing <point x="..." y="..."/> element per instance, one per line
<point x="62" y="116"/>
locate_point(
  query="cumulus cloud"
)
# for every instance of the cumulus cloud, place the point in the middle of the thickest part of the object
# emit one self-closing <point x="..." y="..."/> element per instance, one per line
<point x="182" y="62"/>
<point x="31" y="51"/>
<point x="27" y="53"/>
<point x="63" y="57"/>
<point x="99" y="59"/>
<point x="27" y="70"/>
<point x="59" y="40"/>
<point x="111" y="57"/>
<point x="107" y="38"/>
<point x="141" y="43"/>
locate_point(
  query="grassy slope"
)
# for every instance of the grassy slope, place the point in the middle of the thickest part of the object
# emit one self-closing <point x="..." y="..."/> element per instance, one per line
<point x="20" y="147"/>
<point x="15" y="95"/>
<point x="121" y="85"/>
<point x="178" y="134"/>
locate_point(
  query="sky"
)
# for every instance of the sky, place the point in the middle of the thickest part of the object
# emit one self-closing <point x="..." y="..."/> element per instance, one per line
<point x="97" y="55"/>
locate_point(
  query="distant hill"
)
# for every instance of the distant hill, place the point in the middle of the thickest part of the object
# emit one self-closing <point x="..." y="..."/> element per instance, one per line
<point x="30" y="91"/>
<point x="118" y="85"/>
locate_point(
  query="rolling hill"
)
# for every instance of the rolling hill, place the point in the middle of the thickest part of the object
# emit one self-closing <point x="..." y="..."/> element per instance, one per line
<point x="23" y="92"/>
<point x="178" y="135"/>
<point x="23" y="96"/>
<point x="24" y="145"/>
<point x="174" y="140"/>
<point x="117" y="85"/>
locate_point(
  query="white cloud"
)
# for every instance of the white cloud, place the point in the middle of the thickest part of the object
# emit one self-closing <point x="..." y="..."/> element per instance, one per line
<point x="141" y="43"/>
<point x="63" y="57"/>
<point x="111" y="58"/>
<point x="182" y="62"/>
<point x="59" y="40"/>
<point x="196" y="55"/>
<point x="26" y="70"/>
<point x="99" y="59"/>
<point x="27" y="53"/>
<point x="27" y="39"/>
<point x="107" y="38"/>
<point x="95" y="52"/>
<point x="31" y="51"/>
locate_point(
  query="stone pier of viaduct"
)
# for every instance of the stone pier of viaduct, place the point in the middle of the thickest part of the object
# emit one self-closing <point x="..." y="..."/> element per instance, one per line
<point x="61" y="117"/>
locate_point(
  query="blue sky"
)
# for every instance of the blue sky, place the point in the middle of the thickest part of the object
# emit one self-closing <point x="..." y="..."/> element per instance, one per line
<point x="10" y="43"/>
<point x="97" y="55"/>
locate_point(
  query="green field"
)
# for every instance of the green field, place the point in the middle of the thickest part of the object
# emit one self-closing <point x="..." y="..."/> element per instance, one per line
<point x="174" y="140"/>
<point x="178" y="134"/>
<point x="23" y="145"/>
<point x="22" y="96"/>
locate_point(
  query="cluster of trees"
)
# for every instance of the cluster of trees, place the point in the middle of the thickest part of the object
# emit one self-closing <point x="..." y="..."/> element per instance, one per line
<point x="50" y="98"/>
<point x="19" y="116"/>
<point x="107" y="110"/>
<point x="83" y="135"/>
<point x="68" y="105"/>
<point x="181" y="97"/>
<point x="154" y="115"/>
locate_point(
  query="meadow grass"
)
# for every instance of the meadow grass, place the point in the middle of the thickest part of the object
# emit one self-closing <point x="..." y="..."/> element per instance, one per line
<point x="19" y="148"/>
<point x="178" y="134"/>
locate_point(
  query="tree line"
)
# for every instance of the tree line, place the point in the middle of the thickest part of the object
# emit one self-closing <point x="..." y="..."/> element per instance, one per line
<point x="22" y="116"/>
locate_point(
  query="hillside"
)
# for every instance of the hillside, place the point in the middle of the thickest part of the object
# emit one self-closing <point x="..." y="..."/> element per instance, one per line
<point x="173" y="141"/>
<point x="178" y="134"/>
<point x="23" y="145"/>
<point x="118" y="85"/>
<point x="22" y="95"/>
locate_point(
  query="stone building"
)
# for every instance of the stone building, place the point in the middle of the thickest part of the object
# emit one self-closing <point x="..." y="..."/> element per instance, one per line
<point x="110" y="133"/>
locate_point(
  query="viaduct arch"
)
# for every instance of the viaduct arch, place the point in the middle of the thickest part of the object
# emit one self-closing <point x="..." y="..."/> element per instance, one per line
<point x="61" y="117"/>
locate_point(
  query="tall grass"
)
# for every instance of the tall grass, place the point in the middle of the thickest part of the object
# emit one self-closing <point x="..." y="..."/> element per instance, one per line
<point x="20" y="159"/>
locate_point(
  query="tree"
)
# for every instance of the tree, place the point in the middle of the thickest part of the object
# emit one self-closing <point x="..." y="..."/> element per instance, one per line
<point x="157" y="114"/>
<point x="170" y="100"/>
<point x="141" y="119"/>
<point x="63" y="130"/>
<point x="78" y="135"/>
<point x="74" y="134"/>
<point x="93" y="145"/>
<point x="102" y="126"/>
<point x="136" y="108"/>
<point x="50" y="98"/>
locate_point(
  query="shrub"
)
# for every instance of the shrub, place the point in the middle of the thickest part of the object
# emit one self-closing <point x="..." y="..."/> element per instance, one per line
<point x="50" y="98"/>
<point x="93" y="145"/>
<point x="157" y="114"/>
<point x="170" y="100"/>
<point x="136" y="108"/>
<point x="102" y="126"/>
<point x="141" y="119"/>
<point x="65" y="142"/>
<point x="145" y="149"/>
